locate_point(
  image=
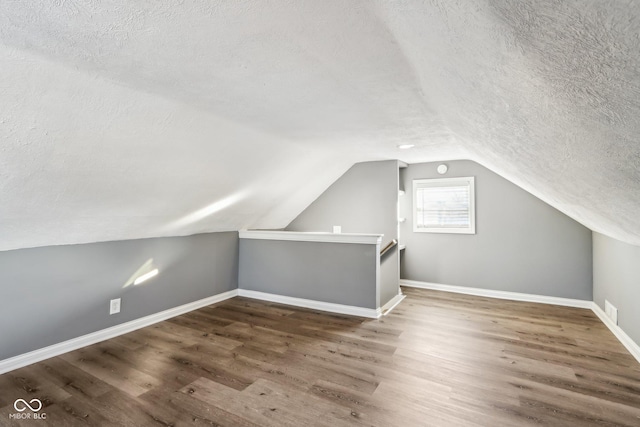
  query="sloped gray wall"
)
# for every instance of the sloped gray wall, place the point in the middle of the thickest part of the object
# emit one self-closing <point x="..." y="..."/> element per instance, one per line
<point x="55" y="293"/>
<point x="521" y="243"/>
<point x="616" y="277"/>
<point x="363" y="200"/>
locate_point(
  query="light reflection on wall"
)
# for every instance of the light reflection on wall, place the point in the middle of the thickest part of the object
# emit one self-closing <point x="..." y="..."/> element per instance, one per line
<point x="209" y="210"/>
<point x="149" y="269"/>
<point x="146" y="268"/>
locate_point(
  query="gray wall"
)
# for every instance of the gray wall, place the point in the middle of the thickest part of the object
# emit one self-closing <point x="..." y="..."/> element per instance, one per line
<point x="521" y="243"/>
<point x="616" y="277"/>
<point x="339" y="273"/>
<point x="56" y="293"/>
<point x="363" y="200"/>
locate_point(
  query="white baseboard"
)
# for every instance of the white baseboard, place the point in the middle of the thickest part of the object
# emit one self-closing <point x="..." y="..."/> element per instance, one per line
<point x="316" y="305"/>
<point x="393" y="302"/>
<point x="626" y="341"/>
<point x="105" y="334"/>
<point x="515" y="296"/>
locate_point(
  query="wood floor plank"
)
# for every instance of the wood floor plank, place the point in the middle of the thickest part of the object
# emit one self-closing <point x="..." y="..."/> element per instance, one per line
<point x="113" y="371"/>
<point x="197" y="411"/>
<point x="438" y="359"/>
<point x="71" y="379"/>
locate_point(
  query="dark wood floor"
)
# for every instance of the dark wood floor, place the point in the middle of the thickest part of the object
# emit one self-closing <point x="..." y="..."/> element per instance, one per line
<point x="437" y="359"/>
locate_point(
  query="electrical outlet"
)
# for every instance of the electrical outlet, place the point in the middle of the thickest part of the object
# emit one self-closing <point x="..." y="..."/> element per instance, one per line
<point x="337" y="229"/>
<point x="611" y="311"/>
<point x="114" y="306"/>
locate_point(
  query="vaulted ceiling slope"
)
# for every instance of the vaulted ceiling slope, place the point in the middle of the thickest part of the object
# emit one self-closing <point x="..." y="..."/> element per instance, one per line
<point x="128" y="118"/>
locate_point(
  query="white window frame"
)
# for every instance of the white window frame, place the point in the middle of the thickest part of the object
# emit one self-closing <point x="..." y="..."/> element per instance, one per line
<point x="470" y="180"/>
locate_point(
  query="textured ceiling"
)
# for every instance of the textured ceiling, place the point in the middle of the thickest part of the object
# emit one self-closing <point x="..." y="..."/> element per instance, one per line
<point x="130" y="119"/>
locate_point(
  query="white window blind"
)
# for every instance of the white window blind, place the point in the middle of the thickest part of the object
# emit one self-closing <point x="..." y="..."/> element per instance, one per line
<point x="444" y="205"/>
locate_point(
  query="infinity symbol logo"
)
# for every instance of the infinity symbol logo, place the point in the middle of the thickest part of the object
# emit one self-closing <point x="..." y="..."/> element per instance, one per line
<point x="26" y="405"/>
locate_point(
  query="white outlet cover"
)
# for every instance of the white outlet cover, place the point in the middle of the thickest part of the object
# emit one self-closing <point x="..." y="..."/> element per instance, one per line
<point x="337" y="229"/>
<point x="114" y="306"/>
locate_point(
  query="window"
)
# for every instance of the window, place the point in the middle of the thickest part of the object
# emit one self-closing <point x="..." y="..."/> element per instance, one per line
<point x="444" y="205"/>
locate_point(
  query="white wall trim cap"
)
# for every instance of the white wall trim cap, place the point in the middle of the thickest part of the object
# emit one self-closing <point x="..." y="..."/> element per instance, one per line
<point x="316" y="305"/>
<point x="393" y="303"/>
<point x="39" y="355"/>
<point x="367" y="239"/>
<point x="515" y="296"/>
<point x="625" y="339"/>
